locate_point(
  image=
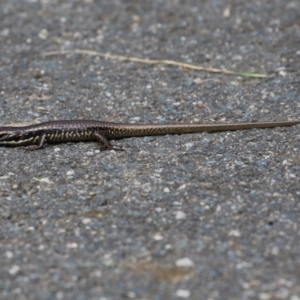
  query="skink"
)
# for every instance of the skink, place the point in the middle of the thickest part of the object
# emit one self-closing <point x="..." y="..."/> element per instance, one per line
<point x="33" y="137"/>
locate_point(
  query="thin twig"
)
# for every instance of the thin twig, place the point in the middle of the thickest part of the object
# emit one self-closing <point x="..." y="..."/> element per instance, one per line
<point x="154" y="62"/>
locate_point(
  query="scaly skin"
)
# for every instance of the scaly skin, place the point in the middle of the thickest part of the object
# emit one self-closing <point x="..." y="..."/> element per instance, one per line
<point x="35" y="136"/>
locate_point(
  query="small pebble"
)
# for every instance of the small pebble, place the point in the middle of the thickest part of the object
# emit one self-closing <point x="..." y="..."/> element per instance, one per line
<point x="158" y="237"/>
<point x="70" y="173"/>
<point x="14" y="270"/>
<point x="86" y="221"/>
<point x="180" y="215"/>
<point x="235" y="233"/>
<point x="183" y="293"/>
<point x="184" y="262"/>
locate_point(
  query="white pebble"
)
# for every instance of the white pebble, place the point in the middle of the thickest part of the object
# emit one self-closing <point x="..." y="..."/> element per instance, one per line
<point x="180" y="215"/>
<point x="9" y="254"/>
<point x="70" y="173"/>
<point x="72" y="245"/>
<point x="14" y="270"/>
<point x="86" y="221"/>
<point x="188" y="146"/>
<point x="235" y="233"/>
<point x="183" y="293"/>
<point x="158" y="237"/>
<point x="184" y="262"/>
<point x="46" y="180"/>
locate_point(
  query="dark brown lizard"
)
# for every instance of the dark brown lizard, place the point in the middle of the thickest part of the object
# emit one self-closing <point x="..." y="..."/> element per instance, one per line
<point x="34" y="137"/>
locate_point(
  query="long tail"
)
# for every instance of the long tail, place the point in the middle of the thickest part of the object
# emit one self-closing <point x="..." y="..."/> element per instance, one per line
<point x="123" y="130"/>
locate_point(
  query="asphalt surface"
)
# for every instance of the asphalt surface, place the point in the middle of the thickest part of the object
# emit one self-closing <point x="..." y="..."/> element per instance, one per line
<point x="198" y="216"/>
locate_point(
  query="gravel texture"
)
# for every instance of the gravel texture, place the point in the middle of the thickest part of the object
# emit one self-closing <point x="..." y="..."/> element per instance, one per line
<point x="198" y="216"/>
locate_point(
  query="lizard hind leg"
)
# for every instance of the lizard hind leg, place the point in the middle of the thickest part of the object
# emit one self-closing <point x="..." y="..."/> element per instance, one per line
<point x="105" y="144"/>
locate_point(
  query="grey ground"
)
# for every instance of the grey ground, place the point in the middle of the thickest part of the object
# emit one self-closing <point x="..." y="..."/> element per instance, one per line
<point x="199" y="216"/>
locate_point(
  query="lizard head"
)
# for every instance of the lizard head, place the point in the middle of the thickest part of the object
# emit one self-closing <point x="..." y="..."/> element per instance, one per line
<point x="11" y="135"/>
